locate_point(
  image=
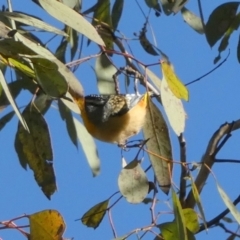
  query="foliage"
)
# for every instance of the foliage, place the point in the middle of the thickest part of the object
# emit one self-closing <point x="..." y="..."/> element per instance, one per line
<point x="50" y="80"/>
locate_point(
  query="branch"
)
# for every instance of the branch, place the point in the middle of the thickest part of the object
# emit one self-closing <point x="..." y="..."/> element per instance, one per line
<point x="208" y="158"/>
<point x="182" y="190"/>
<point x="228" y="231"/>
<point x="204" y="75"/>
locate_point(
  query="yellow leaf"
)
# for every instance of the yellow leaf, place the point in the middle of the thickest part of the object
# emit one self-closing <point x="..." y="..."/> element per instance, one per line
<point x="173" y="107"/>
<point x="47" y="224"/>
<point x="174" y="83"/>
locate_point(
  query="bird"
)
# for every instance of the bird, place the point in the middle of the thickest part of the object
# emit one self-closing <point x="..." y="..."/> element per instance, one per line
<point x="113" y="118"/>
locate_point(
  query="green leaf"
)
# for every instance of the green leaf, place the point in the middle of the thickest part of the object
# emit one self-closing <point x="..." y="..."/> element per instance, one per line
<point x="20" y="152"/>
<point x="228" y="203"/>
<point x="75" y="88"/>
<point x="49" y="78"/>
<point x="174" y="83"/>
<point x="71" y="18"/>
<point x="93" y="217"/>
<point x="145" y="43"/>
<point x="89" y="147"/>
<point x="174" y="108"/>
<point x="5" y="119"/>
<point x="21" y="66"/>
<point x="133" y="182"/>
<point x="61" y="50"/>
<point x="32" y="21"/>
<point x="12" y="48"/>
<point x="46" y="225"/>
<point x="105" y="70"/>
<point x="192" y="20"/>
<point x="179" y="217"/>
<point x="155" y="129"/>
<point x="198" y="201"/>
<point x="102" y="15"/>
<point x="12" y="101"/>
<point x="117" y="13"/>
<point x="219" y="21"/>
<point x="73" y="41"/>
<point x="35" y="148"/>
<point x="66" y="116"/>
<point x="169" y="231"/>
<point x="224" y="42"/>
<point x="191" y="220"/>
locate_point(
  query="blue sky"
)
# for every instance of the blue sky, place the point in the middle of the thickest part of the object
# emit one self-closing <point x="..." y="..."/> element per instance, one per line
<point x="213" y="101"/>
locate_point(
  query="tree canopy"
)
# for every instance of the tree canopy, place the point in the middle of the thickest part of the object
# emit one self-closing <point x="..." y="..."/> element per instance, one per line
<point x="163" y="183"/>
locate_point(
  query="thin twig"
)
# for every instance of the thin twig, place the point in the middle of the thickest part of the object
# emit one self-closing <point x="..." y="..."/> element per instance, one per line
<point x="152" y="208"/>
<point x="227" y="230"/>
<point x="227" y="161"/>
<point x="111" y="223"/>
<point x="204" y="75"/>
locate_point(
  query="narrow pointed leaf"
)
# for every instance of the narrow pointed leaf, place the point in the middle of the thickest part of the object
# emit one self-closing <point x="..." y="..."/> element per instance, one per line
<point x="75" y="88"/>
<point x="117" y="13"/>
<point x="49" y="78"/>
<point x="73" y="40"/>
<point x="179" y="217"/>
<point x="159" y="146"/>
<point x="5" y="119"/>
<point x="46" y="225"/>
<point x="174" y="108"/>
<point x="32" y="21"/>
<point x="174" y="83"/>
<point x="229" y="203"/>
<point x="89" y="147"/>
<point x="61" y="50"/>
<point x="21" y="66"/>
<point x="192" y="20"/>
<point x="66" y="116"/>
<point x="133" y="182"/>
<point x="36" y="149"/>
<point x="94" y="216"/>
<point x="71" y="18"/>
<point x="102" y="16"/>
<point x="225" y="40"/>
<point x="12" y="48"/>
<point x="145" y="43"/>
<point x="20" y="152"/>
<point x="12" y="101"/>
<point x="222" y="16"/>
<point x="198" y="201"/>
